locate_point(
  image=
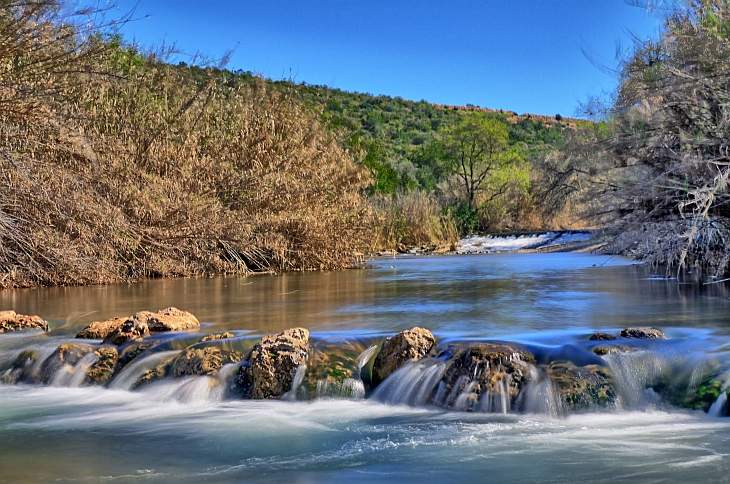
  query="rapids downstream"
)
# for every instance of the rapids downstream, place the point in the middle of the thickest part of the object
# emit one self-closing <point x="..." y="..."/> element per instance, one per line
<point x="520" y="367"/>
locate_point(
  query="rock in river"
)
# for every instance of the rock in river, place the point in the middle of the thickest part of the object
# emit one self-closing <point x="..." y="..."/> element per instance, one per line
<point x="582" y="387"/>
<point x="484" y="376"/>
<point x="409" y="345"/>
<point x="120" y="330"/>
<point x="643" y="333"/>
<point x="268" y="371"/>
<point x="10" y="321"/>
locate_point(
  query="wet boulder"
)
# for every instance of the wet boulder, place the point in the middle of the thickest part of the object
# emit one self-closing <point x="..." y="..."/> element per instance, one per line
<point x="11" y="322"/>
<point x="66" y="354"/>
<point x="409" y="345"/>
<point x="205" y="360"/>
<point x="582" y="387"/>
<point x="131" y="329"/>
<point x="269" y="370"/>
<point x="642" y="333"/>
<point x="21" y="367"/>
<point x="484" y="377"/>
<point x="602" y="337"/>
<point x="218" y="336"/>
<point x="612" y="349"/>
<point x="101" y="329"/>
<point x="102" y="369"/>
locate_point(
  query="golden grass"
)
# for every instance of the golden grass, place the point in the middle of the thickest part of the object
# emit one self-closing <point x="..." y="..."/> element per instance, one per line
<point x="115" y="166"/>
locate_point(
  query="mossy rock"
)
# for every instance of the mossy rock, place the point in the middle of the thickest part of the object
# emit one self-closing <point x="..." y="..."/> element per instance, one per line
<point x="21" y="367"/>
<point x="582" y="387"/>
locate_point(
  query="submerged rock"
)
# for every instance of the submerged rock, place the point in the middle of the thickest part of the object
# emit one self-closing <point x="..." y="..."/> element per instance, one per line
<point x="10" y="322"/>
<point x="602" y="337"/>
<point x="643" y="333"/>
<point x="484" y="376"/>
<point x="612" y="350"/>
<point x="409" y="345"/>
<point x="214" y="337"/>
<point x="582" y="387"/>
<point x="268" y="371"/>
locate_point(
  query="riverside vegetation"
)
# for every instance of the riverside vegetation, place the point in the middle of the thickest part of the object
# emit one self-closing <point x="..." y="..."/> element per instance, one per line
<point x="117" y="165"/>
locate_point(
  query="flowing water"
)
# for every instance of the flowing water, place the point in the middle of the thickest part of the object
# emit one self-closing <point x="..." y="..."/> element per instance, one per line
<point x="193" y="429"/>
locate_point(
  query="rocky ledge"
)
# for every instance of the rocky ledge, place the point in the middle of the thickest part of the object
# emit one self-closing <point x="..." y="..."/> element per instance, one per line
<point x="11" y="322"/>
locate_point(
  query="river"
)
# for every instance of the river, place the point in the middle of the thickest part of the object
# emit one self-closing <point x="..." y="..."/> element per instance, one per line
<point x="192" y="430"/>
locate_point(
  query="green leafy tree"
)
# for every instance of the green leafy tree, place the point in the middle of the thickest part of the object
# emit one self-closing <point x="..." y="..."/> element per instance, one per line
<point x="477" y="152"/>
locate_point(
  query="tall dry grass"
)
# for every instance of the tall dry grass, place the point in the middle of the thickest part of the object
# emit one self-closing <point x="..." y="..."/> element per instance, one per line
<point x="115" y="166"/>
<point x="412" y="219"/>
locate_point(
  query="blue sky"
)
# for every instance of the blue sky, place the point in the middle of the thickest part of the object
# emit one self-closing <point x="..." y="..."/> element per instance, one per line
<point x="521" y="55"/>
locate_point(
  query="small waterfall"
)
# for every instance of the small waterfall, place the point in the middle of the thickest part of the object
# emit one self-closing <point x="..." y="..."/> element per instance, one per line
<point x="347" y="388"/>
<point x="414" y="384"/>
<point x="296" y="383"/>
<point x="635" y="373"/>
<point x="540" y="396"/>
<point x="126" y="379"/>
<point x="365" y="358"/>
<point x="719" y="408"/>
<point x="353" y="388"/>
<point x="74" y="376"/>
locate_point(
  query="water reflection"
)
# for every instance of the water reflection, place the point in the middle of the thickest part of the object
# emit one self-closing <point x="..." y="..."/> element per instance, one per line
<point x="464" y="296"/>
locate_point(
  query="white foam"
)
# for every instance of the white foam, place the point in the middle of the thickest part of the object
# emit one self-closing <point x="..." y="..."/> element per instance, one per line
<point x="493" y="243"/>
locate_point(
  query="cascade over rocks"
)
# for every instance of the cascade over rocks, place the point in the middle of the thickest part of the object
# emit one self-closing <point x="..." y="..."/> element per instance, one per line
<point x="10" y="322"/>
<point x="268" y="371"/>
<point x="66" y="354"/>
<point x="205" y="360"/>
<point x="496" y="372"/>
<point x="409" y="345"/>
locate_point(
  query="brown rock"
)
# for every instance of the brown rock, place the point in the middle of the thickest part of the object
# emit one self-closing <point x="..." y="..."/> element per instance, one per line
<point x="611" y="350"/>
<point x="101" y="371"/>
<point x="101" y="329"/>
<point x="120" y="330"/>
<point x="10" y="322"/>
<point x="20" y="368"/>
<point x="66" y="354"/>
<point x="198" y="361"/>
<point x="269" y="370"/>
<point x="643" y="333"/>
<point x="494" y="370"/>
<point x="602" y="337"/>
<point x="131" y="329"/>
<point x="582" y="387"/>
<point x="170" y="319"/>
<point x="213" y="337"/>
<point x="405" y="346"/>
